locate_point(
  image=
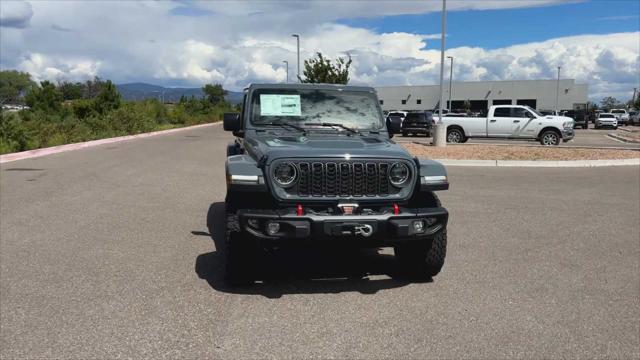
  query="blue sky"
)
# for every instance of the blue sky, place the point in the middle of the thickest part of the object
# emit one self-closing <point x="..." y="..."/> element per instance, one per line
<point x="194" y="42"/>
<point x="489" y="28"/>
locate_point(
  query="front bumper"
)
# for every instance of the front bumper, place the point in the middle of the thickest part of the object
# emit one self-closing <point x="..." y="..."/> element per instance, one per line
<point x="568" y="134"/>
<point x="387" y="228"/>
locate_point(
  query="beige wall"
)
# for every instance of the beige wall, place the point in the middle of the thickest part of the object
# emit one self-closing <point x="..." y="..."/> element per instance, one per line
<point x="543" y="91"/>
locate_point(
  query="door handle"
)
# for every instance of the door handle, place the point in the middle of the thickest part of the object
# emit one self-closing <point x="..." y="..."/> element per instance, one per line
<point x="516" y="121"/>
<point x="492" y="120"/>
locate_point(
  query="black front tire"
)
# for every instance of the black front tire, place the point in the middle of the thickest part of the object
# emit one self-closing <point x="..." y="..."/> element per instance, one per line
<point x="419" y="259"/>
<point x="404" y="134"/>
<point x="240" y="253"/>
<point x="550" y="138"/>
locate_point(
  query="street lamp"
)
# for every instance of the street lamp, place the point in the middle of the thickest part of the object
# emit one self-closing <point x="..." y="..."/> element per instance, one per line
<point x="298" y="50"/>
<point x="439" y="138"/>
<point x="557" y="89"/>
<point x="287" y="63"/>
<point x="450" y="79"/>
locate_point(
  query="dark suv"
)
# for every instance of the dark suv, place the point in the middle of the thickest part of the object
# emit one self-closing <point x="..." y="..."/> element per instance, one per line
<point x="315" y="163"/>
<point x="417" y="123"/>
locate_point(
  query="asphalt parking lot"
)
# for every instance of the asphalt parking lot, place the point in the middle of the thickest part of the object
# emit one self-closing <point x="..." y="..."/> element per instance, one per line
<point x="110" y="252"/>
<point x="584" y="137"/>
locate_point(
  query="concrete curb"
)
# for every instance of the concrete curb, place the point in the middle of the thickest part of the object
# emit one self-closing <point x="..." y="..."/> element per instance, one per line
<point x="540" y="163"/>
<point x="69" y="147"/>
<point x="623" y="139"/>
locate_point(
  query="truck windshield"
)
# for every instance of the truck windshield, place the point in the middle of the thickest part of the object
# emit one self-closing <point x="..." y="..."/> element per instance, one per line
<point x="353" y="109"/>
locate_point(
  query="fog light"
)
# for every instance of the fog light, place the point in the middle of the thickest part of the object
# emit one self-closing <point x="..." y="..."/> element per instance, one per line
<point x="253" y="223"/>
<point x="273" y="228"/>
<point x="418" y="226"/>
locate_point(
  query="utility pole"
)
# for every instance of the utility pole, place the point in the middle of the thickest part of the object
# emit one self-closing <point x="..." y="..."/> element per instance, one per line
<point x="450" y="80"/>
<point x="440" y="137"/>
<point x="557" y="90"/>
<point x="298" y="51"/>
<point x="633" y="99"/>
<point x="287" y="63"/>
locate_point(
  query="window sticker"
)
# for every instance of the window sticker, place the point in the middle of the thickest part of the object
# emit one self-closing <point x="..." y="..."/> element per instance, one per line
<point x="279" y="105"/>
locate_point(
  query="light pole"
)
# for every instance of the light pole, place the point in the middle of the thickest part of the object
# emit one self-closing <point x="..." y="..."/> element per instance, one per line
<point x="557" y="90"/>
<point x="450" y="79"/>
<point x="298" y="51"/>
<point x="287" y="63"/>
<point x="439" y="138"/>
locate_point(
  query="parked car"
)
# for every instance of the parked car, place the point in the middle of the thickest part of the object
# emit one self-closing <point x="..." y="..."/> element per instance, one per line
<point x="512" y="122"/>
<point x="313" y="163"/>
<point x="416" y="123"/>
<point x="634" y="117"/>
<point x="580" y="118"/>
<point x="622" y="115"/>
<point x="606" y="120"/>
<point x="399" y="114"/>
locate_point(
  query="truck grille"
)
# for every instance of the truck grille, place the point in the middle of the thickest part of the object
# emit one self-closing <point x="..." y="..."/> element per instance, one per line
<point x="342" y="179"/>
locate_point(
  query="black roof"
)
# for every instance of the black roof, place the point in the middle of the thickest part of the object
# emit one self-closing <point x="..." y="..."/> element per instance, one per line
<point x="295" y="86"/>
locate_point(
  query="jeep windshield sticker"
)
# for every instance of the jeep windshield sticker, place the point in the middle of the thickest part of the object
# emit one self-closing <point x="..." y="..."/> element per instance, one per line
<point x="279" y="105"/>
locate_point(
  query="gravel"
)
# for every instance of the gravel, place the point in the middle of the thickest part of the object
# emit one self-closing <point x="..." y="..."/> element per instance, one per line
<point x="493" y="152"/>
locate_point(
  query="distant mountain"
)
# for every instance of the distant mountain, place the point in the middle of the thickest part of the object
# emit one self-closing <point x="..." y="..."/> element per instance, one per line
<point x="141" y="91"/>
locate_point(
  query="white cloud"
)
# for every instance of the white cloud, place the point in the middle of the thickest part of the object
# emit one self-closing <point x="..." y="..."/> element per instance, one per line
<point x="241" y="42"/>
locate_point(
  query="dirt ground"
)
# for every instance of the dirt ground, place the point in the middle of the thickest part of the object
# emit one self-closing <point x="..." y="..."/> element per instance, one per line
<point x="493" y="152"/>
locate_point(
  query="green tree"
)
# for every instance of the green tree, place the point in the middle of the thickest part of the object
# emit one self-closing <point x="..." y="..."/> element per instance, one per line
<point x="46" y="97"/>
<point x="13" y="85"/>
<point x="608" y="103"/>
<point x="214" y="93"/>
<point x="323" y="70"/>
<point x="108" y="98"/>
<point x="71" y="91"/>
<point x="93" y="87"/>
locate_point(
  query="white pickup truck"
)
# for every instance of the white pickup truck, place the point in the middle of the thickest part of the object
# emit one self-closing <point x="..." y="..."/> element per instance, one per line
<point x="512" y="122"/>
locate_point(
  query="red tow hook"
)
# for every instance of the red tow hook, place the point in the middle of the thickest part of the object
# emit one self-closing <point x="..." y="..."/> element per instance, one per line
<point x="396" y="209"/>
<point x="299" y="210"/>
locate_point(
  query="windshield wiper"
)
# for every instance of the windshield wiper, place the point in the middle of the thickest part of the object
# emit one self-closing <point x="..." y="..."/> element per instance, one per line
<point x="284" y="126"/>
<point x="327" y="124"/>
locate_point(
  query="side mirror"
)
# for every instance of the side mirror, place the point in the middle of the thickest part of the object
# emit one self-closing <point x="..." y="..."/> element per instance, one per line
<point x="394" y="124"/>
<point x="231" y="122"/>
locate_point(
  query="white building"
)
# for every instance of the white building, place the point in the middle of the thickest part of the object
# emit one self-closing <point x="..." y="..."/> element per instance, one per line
<point x="539" y="94"/>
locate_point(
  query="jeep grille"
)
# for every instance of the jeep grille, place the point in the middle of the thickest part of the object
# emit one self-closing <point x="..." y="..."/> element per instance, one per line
<point x="355" y="178"/>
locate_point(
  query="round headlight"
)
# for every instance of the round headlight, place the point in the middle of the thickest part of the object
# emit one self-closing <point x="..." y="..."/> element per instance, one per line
<point x="285" y="174"/>
<point x="399" y="174"/>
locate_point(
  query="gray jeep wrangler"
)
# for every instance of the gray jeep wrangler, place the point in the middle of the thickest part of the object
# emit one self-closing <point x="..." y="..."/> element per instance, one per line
<point x="314" y="162"/>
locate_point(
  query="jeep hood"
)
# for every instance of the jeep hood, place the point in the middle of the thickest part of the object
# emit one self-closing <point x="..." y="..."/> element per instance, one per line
<point x="320" y="145"/>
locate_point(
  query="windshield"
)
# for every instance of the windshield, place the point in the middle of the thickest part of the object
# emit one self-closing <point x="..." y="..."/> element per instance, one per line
<point x="617" y="111"/>
<point x="353" y="109"/>
<point x="534" y="111"/>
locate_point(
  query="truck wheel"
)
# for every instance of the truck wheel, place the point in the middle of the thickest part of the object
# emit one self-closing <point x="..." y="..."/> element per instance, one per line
<point x="549" y="138"/>
<point x="404" y="134"/>
<point x="239" y="254"/>
<point x="585" y="126"/>
<point x="418" y="259"/>
<point x="455" y="136"/>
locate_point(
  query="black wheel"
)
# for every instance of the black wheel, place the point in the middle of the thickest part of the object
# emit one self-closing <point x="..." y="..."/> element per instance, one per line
<point x="550" y="138"/>
<point x="455" y="136"/>
<point x="585" y="126"/>
<point x="615" y="128"/>
<point x="419" y="259"/>
<point x="239" y="254"/>
<point x="404" y="133"/>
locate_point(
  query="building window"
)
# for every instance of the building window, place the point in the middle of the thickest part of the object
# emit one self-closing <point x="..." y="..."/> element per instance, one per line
<point x="404" y="102"/>
<point x="381" y="102"/>
<point x="418" y="101"/>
